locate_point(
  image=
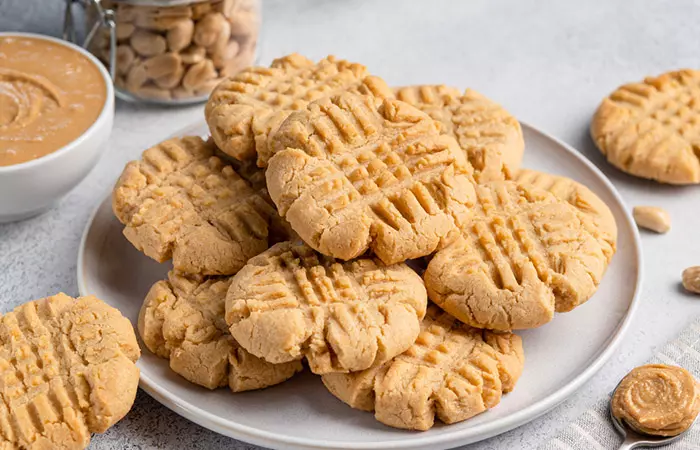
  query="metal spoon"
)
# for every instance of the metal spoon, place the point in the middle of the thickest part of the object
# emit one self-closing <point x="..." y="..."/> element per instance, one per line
<point x="635" y="439"/>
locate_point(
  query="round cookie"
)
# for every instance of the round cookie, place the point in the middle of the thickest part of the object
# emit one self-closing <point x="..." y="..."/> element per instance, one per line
<point x="596" y="214"/>
<point x="349" y="176"/>
<point x="452" y="372"/>
<point x="290" y="303"/>
<point x="245" y="109"/>
<point x="651" y="129"/>
<point x="524" y="254"/>
<point x="180" y="201"/>
<point x="490" y="137"/>
<point x="67" y="369"/>
<point x="182" y="320"/>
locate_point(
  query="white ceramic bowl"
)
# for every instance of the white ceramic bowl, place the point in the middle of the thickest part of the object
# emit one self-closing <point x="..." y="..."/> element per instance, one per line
<point x="32" y="187"/>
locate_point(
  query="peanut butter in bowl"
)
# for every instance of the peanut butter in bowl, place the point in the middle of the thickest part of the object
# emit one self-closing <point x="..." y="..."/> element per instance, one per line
<point x="50" y="94"/>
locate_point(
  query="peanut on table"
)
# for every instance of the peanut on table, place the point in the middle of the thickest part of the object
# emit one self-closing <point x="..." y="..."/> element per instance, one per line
<point x="691" y="279"/>
<point x="652" y="218"/>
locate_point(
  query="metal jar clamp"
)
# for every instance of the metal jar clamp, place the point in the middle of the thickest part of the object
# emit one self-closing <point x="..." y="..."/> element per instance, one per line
<point x="106" y="20"/>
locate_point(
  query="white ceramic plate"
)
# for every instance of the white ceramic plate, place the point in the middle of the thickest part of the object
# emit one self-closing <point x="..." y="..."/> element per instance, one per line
<point x="560" y="356"/>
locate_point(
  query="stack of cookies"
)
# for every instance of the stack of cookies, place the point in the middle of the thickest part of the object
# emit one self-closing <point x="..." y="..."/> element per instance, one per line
<point x="387" y="239"/>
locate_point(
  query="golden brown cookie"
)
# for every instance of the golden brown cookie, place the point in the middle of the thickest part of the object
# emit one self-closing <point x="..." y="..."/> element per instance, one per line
<point x="490" y="137"/>
<point x="524" y="255"/>
<point x="436" y="100"/>
<point x="290" y="303"/>
<point x="651" y="129"/>
<point x="452" y="372"/>
<point x="349" y="176"/>
<point x="66" y="370"/>
<point x="182" y="202"/>
<point x="182" y="320"/>
<point x="596" y="213"/>
<point x="245" y="109"/>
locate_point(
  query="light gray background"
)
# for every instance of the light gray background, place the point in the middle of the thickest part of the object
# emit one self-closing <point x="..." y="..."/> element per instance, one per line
<point x="548" y="62"/>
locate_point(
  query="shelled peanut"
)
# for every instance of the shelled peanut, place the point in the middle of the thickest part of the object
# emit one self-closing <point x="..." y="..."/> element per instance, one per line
<point x="183" y="51"/>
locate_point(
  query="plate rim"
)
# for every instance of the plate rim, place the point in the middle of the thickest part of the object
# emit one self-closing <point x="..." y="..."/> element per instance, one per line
<point x="259" y="436"/>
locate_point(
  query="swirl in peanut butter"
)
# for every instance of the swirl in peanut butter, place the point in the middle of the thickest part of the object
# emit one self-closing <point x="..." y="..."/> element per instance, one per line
<point x="25" y="98"/>
<point x="657" y="399"/>
<point x="49" y="95"/>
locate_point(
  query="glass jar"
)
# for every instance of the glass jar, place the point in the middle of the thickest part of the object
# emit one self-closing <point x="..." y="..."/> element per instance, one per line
<point x="167" y="51"/>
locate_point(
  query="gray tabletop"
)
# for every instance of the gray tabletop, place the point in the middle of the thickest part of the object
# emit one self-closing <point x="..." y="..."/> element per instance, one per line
<point x="548" y="62"/>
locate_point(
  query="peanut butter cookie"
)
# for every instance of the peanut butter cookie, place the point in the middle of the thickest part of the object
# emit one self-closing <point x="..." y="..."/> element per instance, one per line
<point x="182" y="319"/>
<point x="524" y="255"/>
<point x="349" y="176"/>
<point x="243" y="110"/>
<point x="452" y="372"/>
<point x="596" y="213"/>
<point x="182" y="202"/>
<point x="290" y="303"/>
<point x="255" y="177"/>
<point x="490" y="137"/>
<point x="651" y="129"/>
<point x="66" y="370"/>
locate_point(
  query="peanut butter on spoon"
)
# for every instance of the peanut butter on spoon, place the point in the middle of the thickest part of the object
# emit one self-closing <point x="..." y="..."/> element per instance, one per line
<point x="657" y="400"/>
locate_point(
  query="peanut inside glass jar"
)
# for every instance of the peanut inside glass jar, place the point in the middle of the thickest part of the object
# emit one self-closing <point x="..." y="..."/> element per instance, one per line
<point x="177" y="52"/>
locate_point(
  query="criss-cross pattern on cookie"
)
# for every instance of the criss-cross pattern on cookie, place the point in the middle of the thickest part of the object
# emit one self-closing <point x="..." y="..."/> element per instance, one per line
<point x="651" y="129"/>
<point x="182" y="320"/>
<point x="66" y="370"/>
<point x="436" y="100"/>
<point x="524" y="255"/>
<point x="182" y="202"/>
<point x="489" y="136"/>
<point x="290" y="302"/>
<point x="452" y="371"/>
<point x="243" y="110"/>
<point x="349" y="175"/>
<point x="597" y="217"/>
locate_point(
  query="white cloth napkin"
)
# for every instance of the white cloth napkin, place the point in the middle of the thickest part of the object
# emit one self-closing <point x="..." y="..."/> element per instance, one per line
<point x="593" y="430"/>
